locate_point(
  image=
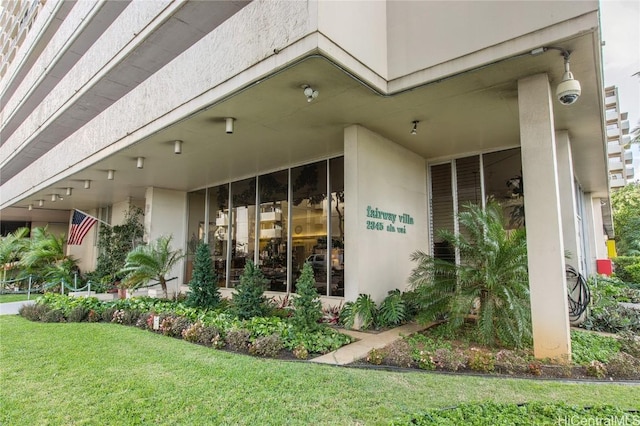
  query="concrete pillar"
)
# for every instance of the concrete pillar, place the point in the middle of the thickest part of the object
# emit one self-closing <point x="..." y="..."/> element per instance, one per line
<point x="166" y="214"/>
<point x="545" y="246"/>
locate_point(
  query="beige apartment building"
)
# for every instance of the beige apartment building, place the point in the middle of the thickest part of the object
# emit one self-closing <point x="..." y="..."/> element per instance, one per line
<point x="344" y="133"/>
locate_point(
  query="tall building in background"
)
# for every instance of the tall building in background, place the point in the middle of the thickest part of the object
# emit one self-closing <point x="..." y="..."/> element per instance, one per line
<point x="621" y="168"/>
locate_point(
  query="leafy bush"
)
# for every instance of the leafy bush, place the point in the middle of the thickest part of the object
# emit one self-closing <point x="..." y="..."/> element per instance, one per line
<point x="449" y="359"/>
<point x="267" y="346"/>
<point x="238" y="340"/>
<point x="597" y="369"/>
<point x="34" y="312"/>
<point x="624" y="366"/>
<point x="630" y="343"/>
<point x="613" y="319"/>
<point x="511" y="362"/>
<point x="627" y="269"/>
<point x="392" y="311"/>
<point x="179" y="325"/>
<point x="193" y="332"/>
<point x="398" y="353"/>
<point x="53" y="315"/>
<point x="308" y="309"/>
<point x="587" y="347"/>
<point x="203" y="286"/>
<point x="480" y="360"/>
<point x="362" y="312"/>
<point x="375" y="356"/>
<point x="320" y="341"/>
<point x="78" y="314"/>
<point x="481" y="414"/>
<point x="331" y="314"/>
<point x="107" y="314"/>
<point x="300" y="352"/>
<point x="492" y="279"/>
<point x="249" y="301"/>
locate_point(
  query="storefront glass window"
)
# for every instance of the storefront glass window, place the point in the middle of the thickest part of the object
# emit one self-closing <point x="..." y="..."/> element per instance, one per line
<point x="219" y="230"/>
<point x="274" y="191"/>
<point x="336" y="170"/>
<point x="243" y="227"/>
<point x="309" y="221"/>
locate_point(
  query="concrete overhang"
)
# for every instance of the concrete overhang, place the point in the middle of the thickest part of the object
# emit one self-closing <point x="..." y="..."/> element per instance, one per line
<point x="275" y="127"/>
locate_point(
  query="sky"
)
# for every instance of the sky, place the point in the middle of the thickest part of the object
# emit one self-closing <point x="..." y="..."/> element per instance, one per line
<point x="620" y="26"/>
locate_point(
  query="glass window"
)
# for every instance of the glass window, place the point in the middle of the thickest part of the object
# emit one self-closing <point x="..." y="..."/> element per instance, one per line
<point x="442" y="216"/>
<point x="219" y="230"/>
<point x="309" y="221"/>
<point x="503" y="182"/>
<point x="196" y="202"/>
<point x="469" y="190"/>
<point x="243" y="226"/>
<point x="274" y="195"/>
<point x="336" y="170"/>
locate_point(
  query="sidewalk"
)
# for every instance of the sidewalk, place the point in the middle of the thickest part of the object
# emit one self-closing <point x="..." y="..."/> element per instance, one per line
<point x="12" y="308"/>
<point x="366" y="341"/>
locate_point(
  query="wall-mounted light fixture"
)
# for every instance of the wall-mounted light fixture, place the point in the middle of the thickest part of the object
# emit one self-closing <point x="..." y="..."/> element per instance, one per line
<point x="414" y="129"/>
<point x="229" y="124"/>
<point x="54" y="197"/>
<point x="310" y="92"/>
<point x="569" y="90"/>
<point x="87" y="184"/>
<point x="40" y="203"/>
<point x="140" y="162"/>
<point x="69" y="191"/>
<point x="30" y="207"/>
<point x="177" y="147"/>
<point x="111" y="174"/>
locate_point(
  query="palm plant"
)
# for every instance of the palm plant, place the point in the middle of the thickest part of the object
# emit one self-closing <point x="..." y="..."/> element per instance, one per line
<point x="150" y="262"/>
<point x="491" y="279"/>
<point x="44" y="255"/>
<point x="12" y="247"/>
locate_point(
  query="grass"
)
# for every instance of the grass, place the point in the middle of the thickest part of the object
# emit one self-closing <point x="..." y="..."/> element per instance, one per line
<point x="107" y="374"/>
<point x="8" y="297"/>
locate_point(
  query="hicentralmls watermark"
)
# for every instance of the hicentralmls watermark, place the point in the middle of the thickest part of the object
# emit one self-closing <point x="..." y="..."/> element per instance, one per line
<point x="622" y="420"/>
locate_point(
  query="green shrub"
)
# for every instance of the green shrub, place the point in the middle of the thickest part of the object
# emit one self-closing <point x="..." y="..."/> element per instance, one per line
<point x="630" y="343"/>
<point x="203" y="286"/>
<point x="490" y="413"/>
<point x="53" y="315"/>
<point x="587" y="347"/>
<point x="597" y="369"/>
<point x="449" y="359"/>
<point x="193" y="332"/>
<point x="320" y="341"/>
<point x="107" y="314"/>
<point x="511" y="362"/>
<point x="398" y="353"/>
<point x="78" y="314"/>
<point x="480" y="360"/>
<point x="392" y="311"/>
<point x="624" y="366"/>
<point x="308" y="309"/>
<point x="300" y="352"/>
<point x="267" y="346"/>
<point x="627" y="268"/>
<point x="178" y="325"/>
<point x="613" y="319"/>
<point x="375" y="357"/>
<point x="211" y="336"/>
<point x="238" y="340"/>
<point x="249" y="301"/>
<point x="35" y="312"/>
<point x="361" y="312"/>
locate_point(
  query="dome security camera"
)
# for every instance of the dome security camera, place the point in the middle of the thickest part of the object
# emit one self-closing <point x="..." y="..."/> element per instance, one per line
<point x="568" y="90"/>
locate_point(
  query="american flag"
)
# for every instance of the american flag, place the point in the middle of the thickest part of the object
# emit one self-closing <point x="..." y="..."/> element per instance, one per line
<point x="80" y="225"/>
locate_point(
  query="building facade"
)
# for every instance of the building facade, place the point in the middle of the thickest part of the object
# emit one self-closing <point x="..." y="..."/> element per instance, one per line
<point x="621" y="170"/>
<point x="341" y="133"/>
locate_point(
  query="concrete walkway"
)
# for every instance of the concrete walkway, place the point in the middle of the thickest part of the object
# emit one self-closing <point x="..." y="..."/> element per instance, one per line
<point x="12" y="308"/>
<point x="366" y="341"/>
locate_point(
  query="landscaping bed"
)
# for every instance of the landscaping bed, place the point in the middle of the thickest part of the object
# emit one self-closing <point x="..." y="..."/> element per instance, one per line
<point x="595" y="356"/>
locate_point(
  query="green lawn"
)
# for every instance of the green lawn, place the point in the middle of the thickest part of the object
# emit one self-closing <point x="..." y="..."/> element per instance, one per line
<point x="107" y="374"/>
<point x="8" y="297"/>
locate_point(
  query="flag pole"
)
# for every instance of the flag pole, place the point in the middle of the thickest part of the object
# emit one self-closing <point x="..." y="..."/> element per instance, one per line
<point x="87" y="214"/>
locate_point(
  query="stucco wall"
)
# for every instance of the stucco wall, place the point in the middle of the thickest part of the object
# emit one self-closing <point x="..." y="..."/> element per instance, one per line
<point x="423" y="34"/>
<point x="380" y="174"/>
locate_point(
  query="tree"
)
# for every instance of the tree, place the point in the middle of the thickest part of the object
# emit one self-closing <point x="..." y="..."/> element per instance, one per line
<point x="491" y="279"/>
<point x="248" y="300"/>
<point x="12" y="247"/>
<point x="626" y="219"/>
<point x="45" y="256"/>
<point x="150" y="262"/>
<point x="308" y="309"/>
<point x="204" y="282"/>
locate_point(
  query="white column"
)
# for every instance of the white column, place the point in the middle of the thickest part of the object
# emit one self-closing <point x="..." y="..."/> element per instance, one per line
<point x="566" y="187"/>
<point x="549" y="309"/>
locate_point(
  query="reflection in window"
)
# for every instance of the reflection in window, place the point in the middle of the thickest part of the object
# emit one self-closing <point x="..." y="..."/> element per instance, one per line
<point x="196" y="202"/>
<point x="219" y="230"/>
<point x="243" y="226"/>
<point x="442" y="215"/>
<point x="274" y="193"/>
<point x="336" y="169"/>
<point x="503" y="182"/>
<point x="309" y="221"/>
